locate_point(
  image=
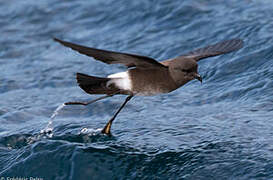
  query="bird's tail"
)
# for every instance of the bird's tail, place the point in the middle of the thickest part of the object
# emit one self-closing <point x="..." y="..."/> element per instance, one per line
<point x="95" y="85"/>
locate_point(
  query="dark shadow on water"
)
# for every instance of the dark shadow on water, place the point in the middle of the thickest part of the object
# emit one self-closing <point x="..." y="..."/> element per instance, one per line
<point x="85" y="138"/>
<point x="96" y="155"/>
<point x="17" y="141"/>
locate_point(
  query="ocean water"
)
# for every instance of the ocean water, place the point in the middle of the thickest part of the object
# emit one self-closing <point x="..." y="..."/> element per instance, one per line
<point x="221" y="129"/>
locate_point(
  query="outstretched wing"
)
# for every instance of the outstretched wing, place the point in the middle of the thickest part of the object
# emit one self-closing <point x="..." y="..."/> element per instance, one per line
<point x="215" y="49"/>
<point x="111" y="57"/>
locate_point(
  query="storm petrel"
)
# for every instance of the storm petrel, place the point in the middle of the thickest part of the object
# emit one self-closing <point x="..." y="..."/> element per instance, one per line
<point x="145" y="76"/>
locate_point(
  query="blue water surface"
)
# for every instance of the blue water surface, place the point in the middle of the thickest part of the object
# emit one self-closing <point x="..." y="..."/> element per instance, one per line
<point x="221" y="129"/>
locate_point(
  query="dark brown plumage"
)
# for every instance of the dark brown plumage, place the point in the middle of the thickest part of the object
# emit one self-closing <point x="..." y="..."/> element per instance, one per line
<point x="145" y="76"/>
<point x="111" y="57"/>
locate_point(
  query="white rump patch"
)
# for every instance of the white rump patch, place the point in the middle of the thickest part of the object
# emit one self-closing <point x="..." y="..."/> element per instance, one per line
<point x="121" y="80"/>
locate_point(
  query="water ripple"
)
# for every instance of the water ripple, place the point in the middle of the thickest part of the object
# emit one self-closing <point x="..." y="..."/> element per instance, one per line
<point x="221" y="129"/>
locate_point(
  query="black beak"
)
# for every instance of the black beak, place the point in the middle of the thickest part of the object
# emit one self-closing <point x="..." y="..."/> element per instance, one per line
<point x="198" y="77"/>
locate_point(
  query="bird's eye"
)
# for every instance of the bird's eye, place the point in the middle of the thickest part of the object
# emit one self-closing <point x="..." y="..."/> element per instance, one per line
<point x="186" y="70"/>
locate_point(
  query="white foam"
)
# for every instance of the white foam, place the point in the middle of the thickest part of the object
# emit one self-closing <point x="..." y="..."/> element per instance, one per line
<point x="121" y="80"/>
<point x="90" y="131"/>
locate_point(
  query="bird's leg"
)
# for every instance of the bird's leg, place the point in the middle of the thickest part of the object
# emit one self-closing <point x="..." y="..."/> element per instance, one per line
<point x="107" y="127"/>
<point x="90" y="102"/>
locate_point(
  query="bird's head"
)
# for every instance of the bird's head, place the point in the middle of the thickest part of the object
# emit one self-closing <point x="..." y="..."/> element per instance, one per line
<point x="184" y="70"/>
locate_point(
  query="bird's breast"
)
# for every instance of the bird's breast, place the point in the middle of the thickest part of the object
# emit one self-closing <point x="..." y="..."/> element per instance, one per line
<point x="149" y="82"/>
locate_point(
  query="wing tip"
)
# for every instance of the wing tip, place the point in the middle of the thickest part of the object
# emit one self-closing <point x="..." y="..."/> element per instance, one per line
<point x="57" y="40"/>
<point x="238" y="42"/>
<point x="234" y="45"/>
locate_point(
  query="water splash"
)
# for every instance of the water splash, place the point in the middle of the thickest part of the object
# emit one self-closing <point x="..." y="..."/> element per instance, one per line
<point x="91" y="131"/>
<point x="48" y="131"/>
<point x="56" y="112"/>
